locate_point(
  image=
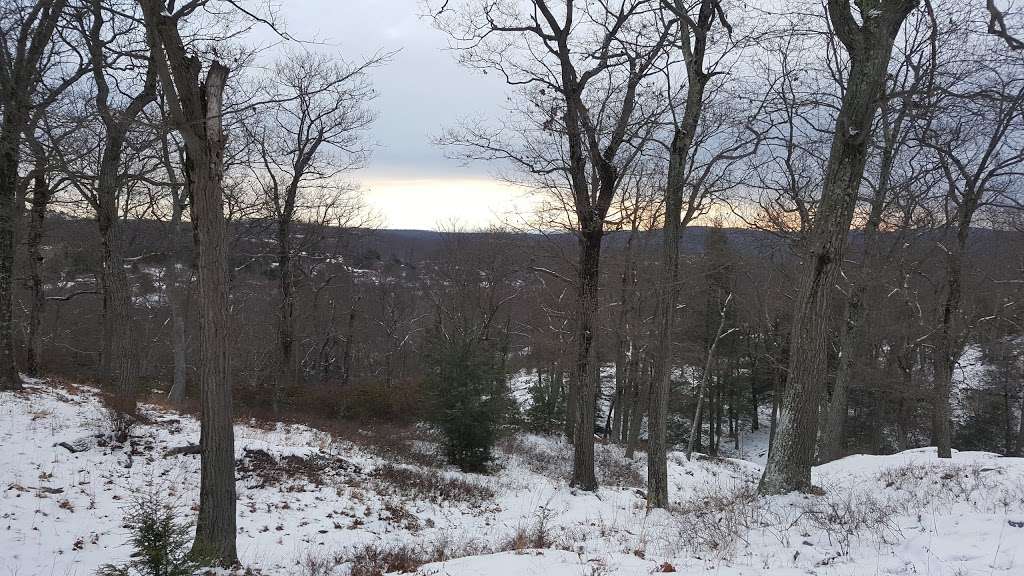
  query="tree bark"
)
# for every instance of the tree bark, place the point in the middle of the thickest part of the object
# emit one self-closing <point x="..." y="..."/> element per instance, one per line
<point x="1020" y="429"/>
<point x="832" y="439"/>
<point x="118" y="361"/>
<point x="862" y="292"/>
<point x="657" y="463"/>
<point x="10" y="136"/>
<point x="346" y="355"/>
<point x="947" y="351"/>
<point x="694" y="50"/>
<point x="625" y="346"/>
<point x="870" y="46"/>
<point x="584" y="394"/>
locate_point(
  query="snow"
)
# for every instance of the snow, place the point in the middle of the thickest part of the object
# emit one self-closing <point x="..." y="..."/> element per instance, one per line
<point x="547" y="562"/>
<point x="907" y="513"/>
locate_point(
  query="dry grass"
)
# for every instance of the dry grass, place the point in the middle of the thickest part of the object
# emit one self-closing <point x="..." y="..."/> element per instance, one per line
<point x="428" y="484"/>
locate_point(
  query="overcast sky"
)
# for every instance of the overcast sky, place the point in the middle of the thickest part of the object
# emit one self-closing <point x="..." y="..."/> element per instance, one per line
<point x="421" y="92"/>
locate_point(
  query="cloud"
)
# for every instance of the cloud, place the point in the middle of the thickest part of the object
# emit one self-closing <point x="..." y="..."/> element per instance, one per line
<point x="434" y="203"/>
<point x="421" y="92"/>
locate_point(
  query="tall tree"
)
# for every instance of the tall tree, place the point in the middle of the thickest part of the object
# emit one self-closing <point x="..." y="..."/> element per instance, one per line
<point x="868" y="38"/>
<point x="975" y="131"/>
<point x="28" y="37"/>
<point x="196" y="107"/>
<point x="893" y="170"/>
<point x="179" y="272"/>
<point x="106" y="30"/>
<point x="685" y="199"/>
<point x="583" y="70"/>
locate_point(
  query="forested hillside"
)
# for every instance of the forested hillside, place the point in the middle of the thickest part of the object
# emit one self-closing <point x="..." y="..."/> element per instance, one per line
<point x="709" y="286"/>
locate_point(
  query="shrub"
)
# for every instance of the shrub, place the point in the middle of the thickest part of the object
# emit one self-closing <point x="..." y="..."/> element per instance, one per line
<point x="713" y="520"/>
<point x="396" y="403"/>
<point x="546" y="412"/>
<point x="372" y="560"/>
<point x="536" y="535"/>
<point x="159" y="538"/>
<point x="847" y="516"/>
<point x="120" y="415"/>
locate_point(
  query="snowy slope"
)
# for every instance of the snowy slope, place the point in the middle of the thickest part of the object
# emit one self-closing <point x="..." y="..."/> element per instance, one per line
<point x="61" y="513"/>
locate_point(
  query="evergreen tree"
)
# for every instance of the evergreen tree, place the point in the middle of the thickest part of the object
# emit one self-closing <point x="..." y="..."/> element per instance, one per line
<point x="546" y="413"/>
<point x="466" y="380"/>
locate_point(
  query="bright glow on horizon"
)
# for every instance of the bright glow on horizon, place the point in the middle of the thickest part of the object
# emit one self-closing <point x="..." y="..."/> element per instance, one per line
<point x="434" y="203"/>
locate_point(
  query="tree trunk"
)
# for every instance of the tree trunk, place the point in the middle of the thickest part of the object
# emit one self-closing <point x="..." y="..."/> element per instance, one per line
<point x="118" y="362"/>
<point x="625" y="407"/>
<point x="346" y="356"/>
<point x="619" y="396"/>
<point x="215" y="529"/>
<point x="831" y="442"/>
<point x="773" y="423"/>
<point x="695" y="428"/>
<point x="33" y="242"/>
<point x="630" y="395"/>
<point x="870" y="46"/>
<point x="286" y="376"/>
<point x="584" y="395"/>
<point x="196" y="112"/>
<point x="177" y="286"/>
<point x="178" y="341"/>
<point x="10" y="136"/>
<point x="571" y="409"/>
<point x="1020" y="430"/>
<point x="639" y="407"/>
<point x="755" y="399"/>
<point x="832" y="439"/>
<point x="949" y="346"/>
<point x="719" y="411"/>
<point x="177" y="297"/>
<point x="944" y="364"/>
<point x="23" y="71"/>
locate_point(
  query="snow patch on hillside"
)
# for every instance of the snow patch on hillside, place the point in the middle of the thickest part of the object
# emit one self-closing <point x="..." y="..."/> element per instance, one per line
<point x="908" y="513"/>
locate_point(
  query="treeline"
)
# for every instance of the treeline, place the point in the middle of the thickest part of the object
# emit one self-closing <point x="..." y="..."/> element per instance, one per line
<point x="177" y="214"/>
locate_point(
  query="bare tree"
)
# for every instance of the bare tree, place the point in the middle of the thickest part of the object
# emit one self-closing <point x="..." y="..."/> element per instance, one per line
<point x="304" y="142"/>
<point x="694" y="157"/>
<point x="868" y="38"/>
<point x="705" y="376"/>
<point x="108" y="40"/>
<point x="53" y="128"/>
<point x="582" y="69"/>
<point x="894" y="172"/>
<point x="30" y="43"/>
<point x="975" y="131"/>
<point x="42" y="192"/>
<point x="178" y="273"/>
<point x="998" y="27"/>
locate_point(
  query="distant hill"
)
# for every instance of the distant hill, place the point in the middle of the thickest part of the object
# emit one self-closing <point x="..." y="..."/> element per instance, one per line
<point x="411" y="246"/>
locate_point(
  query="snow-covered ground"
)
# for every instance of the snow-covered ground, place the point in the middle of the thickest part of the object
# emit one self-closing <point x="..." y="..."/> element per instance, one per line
<point x="321" y="504"/>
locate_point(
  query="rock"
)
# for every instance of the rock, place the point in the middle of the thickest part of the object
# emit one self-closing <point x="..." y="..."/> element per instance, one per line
<point x="82" y="444"/>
